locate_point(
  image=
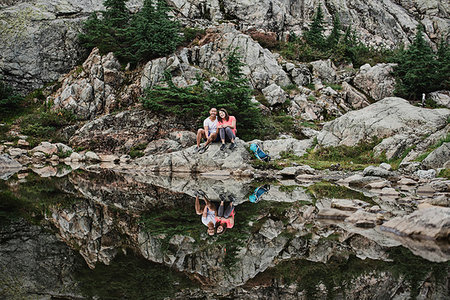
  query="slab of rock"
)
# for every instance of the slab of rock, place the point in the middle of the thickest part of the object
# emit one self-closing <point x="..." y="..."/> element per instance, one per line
<point x="431" y="222"/>
<point x="17" y="152"/>
<point x="426" y="174"/>
<point x="46" y="171"/>
<point x="355" y="98"/>
<point x="91" y="156"/>
<point x="376" y="81"/>
<point x="406" y="181"/>
<point x="6" y="162"/>
<point x="438" y="158"/>
<point x="294" y="171"/>
<point x="271" y="229"/>
<point x="108" y="157"/>
<point x="383" y="119"/>
<point x="333" y="214"/>
<point x="118" y="133"/>
<point x="46" y="148"/>
<point x="325" y="70"/>
<point x="23" y="143"/>
<point x="379" y="184"/>
<point x="376" y="171"/>
<point x="348" y="204"/>
<point x="190" y="161"/>
<point x="441" y="98"/>
<point x="289" y="145"/>
<point x="363" y="219"/>
<point x="274" y="94"/>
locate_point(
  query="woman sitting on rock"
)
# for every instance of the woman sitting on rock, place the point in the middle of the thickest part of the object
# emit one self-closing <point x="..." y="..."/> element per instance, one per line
<point x="226" y="126"/>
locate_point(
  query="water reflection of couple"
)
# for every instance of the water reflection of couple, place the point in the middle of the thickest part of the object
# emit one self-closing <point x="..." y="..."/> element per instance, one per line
<point x="216" y="219"/>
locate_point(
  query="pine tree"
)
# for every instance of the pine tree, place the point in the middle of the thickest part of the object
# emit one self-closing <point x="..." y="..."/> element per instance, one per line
<point x="335" y="35"/>
<point x="417" y="69"/>
<point x="443" y="62"/>
<point x="109" y="32"/>
<point x="314" y="36"/>
<point x="153" y="33"/>
<point x="234" y="94"/>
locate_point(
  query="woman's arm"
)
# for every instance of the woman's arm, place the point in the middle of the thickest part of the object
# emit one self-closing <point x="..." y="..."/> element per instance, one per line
<point x="233" y="123"/>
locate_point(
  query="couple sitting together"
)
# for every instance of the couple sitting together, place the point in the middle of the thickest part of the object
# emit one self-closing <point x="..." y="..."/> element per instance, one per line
<point x="216" y="219"/>
<point x="217" y="128"/>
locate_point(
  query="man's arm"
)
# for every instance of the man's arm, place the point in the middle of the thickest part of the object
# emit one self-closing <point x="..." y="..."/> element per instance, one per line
<point x="206" y="131"/>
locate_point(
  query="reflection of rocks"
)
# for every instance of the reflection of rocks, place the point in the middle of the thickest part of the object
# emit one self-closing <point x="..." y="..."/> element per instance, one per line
<point x="432" y="222"/>
<point x="8" y="166"/>
<point x="35" y="264"/>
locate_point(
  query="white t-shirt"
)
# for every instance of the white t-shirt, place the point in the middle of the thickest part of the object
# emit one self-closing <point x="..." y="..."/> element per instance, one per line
<point x="212" y="125"/>
<point x="210" y="217"/>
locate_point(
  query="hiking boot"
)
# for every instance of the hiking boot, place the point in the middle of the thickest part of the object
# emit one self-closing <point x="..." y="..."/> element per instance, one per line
<point x="222" y="148"/>
<point x="232" y="146"/>
<point x="203" y="149"/>
<point x="200" y="193"/>
<point x="232" y="198"/>
<point x="197" y="149"/>
<point x="222" y="198"/>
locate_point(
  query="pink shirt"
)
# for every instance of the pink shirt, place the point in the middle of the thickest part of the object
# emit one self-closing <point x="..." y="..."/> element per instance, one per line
<point x="229" y="122"/>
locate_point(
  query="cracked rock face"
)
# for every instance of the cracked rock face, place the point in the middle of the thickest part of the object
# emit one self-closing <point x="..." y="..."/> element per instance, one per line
<point x="39" y="38"/>
<point x="392" y="119"/>
<point x="120" y="132"/>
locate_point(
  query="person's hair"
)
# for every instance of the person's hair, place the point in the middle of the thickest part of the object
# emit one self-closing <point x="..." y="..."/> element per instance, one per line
<point x="224" y="226"/>
<point x="227" y="116"/>
<point x="212" y="108"/>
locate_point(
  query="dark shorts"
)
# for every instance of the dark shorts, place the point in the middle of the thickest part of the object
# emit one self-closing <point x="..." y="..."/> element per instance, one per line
<point x="217" y="139"/>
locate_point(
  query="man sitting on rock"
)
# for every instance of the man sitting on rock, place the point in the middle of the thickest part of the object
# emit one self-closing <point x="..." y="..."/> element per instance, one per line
<point x="209" y="131"/>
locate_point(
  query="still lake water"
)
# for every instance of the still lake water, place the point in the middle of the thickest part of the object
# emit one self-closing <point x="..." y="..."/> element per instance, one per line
<point x="106" y="235"/>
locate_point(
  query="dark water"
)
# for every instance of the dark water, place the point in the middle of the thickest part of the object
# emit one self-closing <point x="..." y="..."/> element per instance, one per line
<point x="104" y="235"/>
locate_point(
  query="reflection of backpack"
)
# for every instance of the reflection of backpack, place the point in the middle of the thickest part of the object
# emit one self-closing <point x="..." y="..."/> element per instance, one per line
<point x="259" y="191"/>
<point x="259" y="153"/>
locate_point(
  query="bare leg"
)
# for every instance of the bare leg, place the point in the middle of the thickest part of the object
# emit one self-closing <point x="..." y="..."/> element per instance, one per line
<point x="200" y="134"/>
<point x="197" y="206"/>
<point x="211" y="138"/>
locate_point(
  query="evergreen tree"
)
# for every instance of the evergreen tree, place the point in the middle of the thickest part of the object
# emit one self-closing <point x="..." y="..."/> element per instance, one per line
<point x="153" y="33"/>
<point x="234" y="94"/>
<point x="109" y="33"/>
<point x="443" y="62"/>
<point x="314" y="36"/>
<point x="417" y="70"/>
<point x="335" y="35"/>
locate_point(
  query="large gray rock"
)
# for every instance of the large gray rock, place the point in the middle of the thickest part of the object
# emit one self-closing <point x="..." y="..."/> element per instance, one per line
<point x="261" y="66"/>
<point x="92" y="88"/>
<point x="376" y="81"/>
<point x="431" y="222"/>
<point x="125" y="130"/>
<point x="275" y="147"/>
<point x="441" y="98"/>
<point x="276" y="15"/>
<point x="39" y="40"/>
<point x="7" y="162"/>
<point x="189" y="161"/>
<point x="392" y="119"/>
<point x="438" y="158"/>
<point x="274" y="94"/>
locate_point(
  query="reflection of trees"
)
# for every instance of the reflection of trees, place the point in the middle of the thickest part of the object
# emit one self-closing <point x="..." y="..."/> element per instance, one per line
<point x="131" y="277"/>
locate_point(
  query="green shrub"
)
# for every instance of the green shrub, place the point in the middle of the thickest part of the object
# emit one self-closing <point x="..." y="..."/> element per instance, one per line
<point x="10" y="103"/>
